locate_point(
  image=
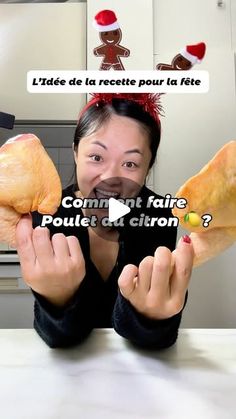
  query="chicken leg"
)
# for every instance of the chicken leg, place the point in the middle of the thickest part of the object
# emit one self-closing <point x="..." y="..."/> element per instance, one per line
<point x="212" y="191"/>
<point x="28" y="182"/>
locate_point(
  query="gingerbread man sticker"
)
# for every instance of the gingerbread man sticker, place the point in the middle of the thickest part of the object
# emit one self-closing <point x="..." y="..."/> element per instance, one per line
<point x="110" y="34"/>
<point x="192" y="54"/>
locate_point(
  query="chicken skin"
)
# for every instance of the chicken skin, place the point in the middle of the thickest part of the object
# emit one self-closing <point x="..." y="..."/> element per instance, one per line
<point x="28" y="182"/>
<point x="211" y="192"/>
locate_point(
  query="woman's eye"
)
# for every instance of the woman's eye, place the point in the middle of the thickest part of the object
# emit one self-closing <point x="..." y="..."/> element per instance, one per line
<point x="95" y="157"/>
<point x="130" y="164"/>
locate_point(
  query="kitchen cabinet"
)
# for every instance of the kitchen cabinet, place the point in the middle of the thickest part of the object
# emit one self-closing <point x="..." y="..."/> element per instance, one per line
<point x="16" y="309"/>
<point x="198" y="124"/>
<point x="16" y="299"/>
<point x="49" y="36"/>
<point x="183" y="22"/>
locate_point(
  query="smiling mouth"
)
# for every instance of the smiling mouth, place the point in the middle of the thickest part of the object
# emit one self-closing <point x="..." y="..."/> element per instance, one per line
<point x="101" y="193"/>
<point x="110" y="42"/>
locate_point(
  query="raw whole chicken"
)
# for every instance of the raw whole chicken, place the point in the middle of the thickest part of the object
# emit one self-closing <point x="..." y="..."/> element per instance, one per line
<point x="28" y="182"/>
<point x="211" y="192"/>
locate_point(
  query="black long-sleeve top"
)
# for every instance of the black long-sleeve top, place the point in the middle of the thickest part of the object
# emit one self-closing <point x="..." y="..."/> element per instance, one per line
<point x="99" y="303"/>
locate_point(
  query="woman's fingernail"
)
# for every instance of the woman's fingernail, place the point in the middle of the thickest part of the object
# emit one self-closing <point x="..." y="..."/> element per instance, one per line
<point x="186" y="239"/>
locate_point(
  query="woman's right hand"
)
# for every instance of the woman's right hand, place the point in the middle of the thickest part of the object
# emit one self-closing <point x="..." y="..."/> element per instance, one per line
<point x="55" y="267"/>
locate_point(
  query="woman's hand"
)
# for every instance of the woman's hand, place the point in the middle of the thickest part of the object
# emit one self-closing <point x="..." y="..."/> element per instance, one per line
<point x="157" y="288"/>
<point x="53" y="268"/>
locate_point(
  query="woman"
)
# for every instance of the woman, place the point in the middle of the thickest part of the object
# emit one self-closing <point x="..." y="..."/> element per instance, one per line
<point x="130" y="279"/>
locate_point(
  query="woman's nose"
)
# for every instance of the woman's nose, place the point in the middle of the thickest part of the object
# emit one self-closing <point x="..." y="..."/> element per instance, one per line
<point x="111" y="172"/>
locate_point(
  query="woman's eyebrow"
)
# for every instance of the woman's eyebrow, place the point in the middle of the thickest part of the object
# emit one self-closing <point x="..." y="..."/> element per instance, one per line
<point x="134" y="150"/>
<point x="101" y="144"/>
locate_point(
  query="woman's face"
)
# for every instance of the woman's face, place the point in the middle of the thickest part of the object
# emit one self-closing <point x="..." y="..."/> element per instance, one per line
<point x="113" y="159"/>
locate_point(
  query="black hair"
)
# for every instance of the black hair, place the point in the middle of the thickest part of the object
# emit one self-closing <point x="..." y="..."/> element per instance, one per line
<point x="97" y="114"/>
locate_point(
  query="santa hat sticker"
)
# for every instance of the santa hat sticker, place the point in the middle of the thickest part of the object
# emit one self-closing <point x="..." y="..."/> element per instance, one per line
<point x="194" y="53"/>
<point x="105" y="21"/>
<point x="110" y="34"/>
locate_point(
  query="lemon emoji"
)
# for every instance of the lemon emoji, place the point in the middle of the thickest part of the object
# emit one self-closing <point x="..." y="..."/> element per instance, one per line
<point x="193" y="218"/>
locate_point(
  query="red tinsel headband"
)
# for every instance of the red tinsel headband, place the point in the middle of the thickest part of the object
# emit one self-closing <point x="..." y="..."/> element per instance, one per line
<point x="150" y="102"/>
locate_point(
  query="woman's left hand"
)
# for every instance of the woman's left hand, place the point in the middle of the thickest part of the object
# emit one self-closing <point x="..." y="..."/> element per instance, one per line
<point x="157" y="288"/>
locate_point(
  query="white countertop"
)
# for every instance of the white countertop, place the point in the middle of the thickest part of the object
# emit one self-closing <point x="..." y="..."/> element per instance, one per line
<point x="106" y="378"/>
